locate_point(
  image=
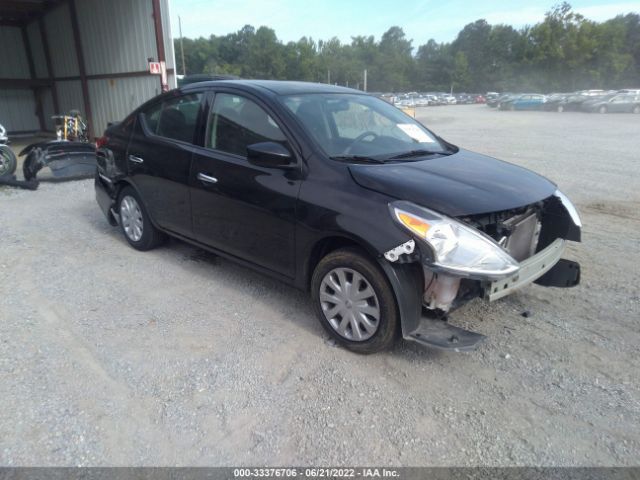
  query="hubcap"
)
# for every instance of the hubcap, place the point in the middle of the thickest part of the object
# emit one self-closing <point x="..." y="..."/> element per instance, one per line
<point x="131" y="218"/>
<point x="350" y="304"/>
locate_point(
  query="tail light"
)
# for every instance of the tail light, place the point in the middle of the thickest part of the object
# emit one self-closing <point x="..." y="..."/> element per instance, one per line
<point x="102" y="141"/>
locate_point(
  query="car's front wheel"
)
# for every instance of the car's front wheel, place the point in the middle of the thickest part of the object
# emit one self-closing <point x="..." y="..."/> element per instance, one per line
<point x="560" y="109"/>
<point x="636" y="109"/>
<point x="602" y="109"/>
<point x="135" y="222"/>
<point x="354" y="301"/>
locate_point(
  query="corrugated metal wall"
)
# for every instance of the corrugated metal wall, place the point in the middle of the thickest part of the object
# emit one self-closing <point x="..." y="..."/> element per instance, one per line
<point x="70" y="96"/>
<point x="37" y="50"/>
<point x="17" y="110"/>
<point x="120" y="33"/>
<point x="117" y="36"/>
<point x="13" y="62"/>
<point x="111" y="97"/>
<point x="17" y="106"/>
<point x="57" y="24"/>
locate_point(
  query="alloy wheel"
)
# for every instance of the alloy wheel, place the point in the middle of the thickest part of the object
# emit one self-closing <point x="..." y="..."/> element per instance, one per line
<point x="350" y="304"/>
<point x="131" y="218"/>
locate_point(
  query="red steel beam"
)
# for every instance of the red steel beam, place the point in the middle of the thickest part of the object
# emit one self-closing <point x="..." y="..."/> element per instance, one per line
<point x="157" y="22"/>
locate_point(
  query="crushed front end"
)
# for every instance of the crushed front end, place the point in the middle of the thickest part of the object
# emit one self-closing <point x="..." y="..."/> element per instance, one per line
<point x="487" y="256"/>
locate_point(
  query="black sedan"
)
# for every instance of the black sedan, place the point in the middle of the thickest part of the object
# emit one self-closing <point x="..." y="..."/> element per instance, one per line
<point x="341" y="194"/>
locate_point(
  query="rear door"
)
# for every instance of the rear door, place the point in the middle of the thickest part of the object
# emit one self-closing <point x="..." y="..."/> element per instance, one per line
<point x="159" y="158"/>
<point x="245" y="210"/>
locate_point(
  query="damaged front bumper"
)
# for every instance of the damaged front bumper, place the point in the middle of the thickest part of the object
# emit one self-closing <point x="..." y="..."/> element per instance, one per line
<point x="535" y="267"/>
<point x="424" y="308"/>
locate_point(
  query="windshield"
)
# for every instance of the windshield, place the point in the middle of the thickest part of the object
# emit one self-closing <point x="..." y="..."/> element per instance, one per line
<point x="352" y="125"/>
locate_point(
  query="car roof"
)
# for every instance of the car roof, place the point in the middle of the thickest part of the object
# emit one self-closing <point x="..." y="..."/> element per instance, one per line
<point x="277" y="87"/>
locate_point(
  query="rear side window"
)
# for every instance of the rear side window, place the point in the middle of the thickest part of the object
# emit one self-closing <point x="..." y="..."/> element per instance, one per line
<point x="175" y="118"/>
<point x="237" y="122"/>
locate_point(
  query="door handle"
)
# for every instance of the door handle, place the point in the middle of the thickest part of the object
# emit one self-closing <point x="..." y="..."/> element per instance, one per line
<point x="135" y="159"/>
<point x="207" y="178"/>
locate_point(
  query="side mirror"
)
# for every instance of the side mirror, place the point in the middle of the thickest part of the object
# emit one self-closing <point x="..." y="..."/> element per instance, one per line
<point x="270" y="155"/>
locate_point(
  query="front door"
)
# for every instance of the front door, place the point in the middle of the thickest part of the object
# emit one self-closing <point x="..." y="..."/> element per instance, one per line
<point x="242" y="209"/>
<point x="159" y="159"/>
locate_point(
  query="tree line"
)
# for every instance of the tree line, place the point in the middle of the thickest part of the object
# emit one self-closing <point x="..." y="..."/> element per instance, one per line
<point x="564" y="52"/>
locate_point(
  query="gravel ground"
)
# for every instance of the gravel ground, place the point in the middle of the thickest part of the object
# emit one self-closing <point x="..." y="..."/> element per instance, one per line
<point x="109" y="356"/>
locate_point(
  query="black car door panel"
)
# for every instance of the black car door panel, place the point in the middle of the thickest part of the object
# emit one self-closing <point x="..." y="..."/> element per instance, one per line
<point x="240" y="208"/>
<point x="159" y="160"/>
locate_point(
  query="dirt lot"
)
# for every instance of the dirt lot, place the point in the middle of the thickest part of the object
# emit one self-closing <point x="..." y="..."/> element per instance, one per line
<point x="109" y="356"/>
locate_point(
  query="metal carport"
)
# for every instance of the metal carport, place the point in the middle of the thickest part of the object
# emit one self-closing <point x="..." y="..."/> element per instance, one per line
<point x="88" y="55"/>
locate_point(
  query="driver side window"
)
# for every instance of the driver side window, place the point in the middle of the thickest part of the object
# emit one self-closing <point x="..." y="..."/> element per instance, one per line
<point x="359" y="118"/>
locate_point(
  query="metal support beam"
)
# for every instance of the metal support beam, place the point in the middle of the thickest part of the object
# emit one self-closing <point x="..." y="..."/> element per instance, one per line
<point x="47" y="59"/>
<point x="37" y="93"/>
<point x="22" y="83"/>
<point x="157" y="22"/>
<point x="81" y="66"/>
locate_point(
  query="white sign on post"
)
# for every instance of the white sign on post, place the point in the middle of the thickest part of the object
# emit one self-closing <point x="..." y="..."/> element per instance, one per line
<point x="154" y="68"/>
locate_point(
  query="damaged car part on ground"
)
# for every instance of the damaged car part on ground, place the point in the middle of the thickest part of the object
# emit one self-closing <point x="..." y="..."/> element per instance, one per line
<point x="69" y="157"/>
<point x="334" y="191"/>
<point x="8" y="160"/>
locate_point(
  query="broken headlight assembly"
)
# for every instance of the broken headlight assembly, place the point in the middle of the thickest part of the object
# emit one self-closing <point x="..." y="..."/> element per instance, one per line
<point x="456" y="248"/>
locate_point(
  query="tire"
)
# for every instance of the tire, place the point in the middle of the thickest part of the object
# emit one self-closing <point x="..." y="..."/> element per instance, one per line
<point x="135" y="223"/>
<point x="636" y="109"/>
<point x="512" y="108"/>
<point x="560" y="109"/>
<point x="8" y="161"/>
<point x="355" y="314"/>
<point x="602" y="109"/>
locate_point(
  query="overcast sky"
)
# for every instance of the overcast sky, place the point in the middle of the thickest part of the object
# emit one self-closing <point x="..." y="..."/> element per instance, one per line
<point x="323" y="19"/>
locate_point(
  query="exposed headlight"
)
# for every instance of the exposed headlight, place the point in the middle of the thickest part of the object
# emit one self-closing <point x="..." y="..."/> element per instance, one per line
<point x="457" y="248"/>
<point x="571" y="209"/>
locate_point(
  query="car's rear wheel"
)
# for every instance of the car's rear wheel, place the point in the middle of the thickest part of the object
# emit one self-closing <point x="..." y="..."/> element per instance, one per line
<point x="512" y="107"/>
<point x="354" y="301"/>
<point x="8" y="161"/>
<point x="602" y="109"/>
<point x="135" y="222"/>
<point x="636" y="109"/>
<point x="560" y="109"/>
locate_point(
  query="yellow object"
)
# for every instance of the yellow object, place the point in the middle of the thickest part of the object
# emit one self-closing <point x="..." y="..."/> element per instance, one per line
<point x="415" y="224"/>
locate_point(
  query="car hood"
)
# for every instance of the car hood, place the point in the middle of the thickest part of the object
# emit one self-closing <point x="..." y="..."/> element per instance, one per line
<point x="464" y="183"/>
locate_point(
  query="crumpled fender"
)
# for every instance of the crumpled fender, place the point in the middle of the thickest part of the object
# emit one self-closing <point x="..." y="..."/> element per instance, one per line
<point x="407" y="282"/>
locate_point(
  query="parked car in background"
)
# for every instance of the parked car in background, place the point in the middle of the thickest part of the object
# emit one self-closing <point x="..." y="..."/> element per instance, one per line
<point x="527" y="101"/>
<point x="571" y="103"/>
<point x="480" y="99"/>
<point x="619" y="103"/>
<point x="450" y="100"/>
<point x="585" y="106"/>
<point x="340" y="194"/>
<point x="554" y="101"/>
<point x="506" y="98"/>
